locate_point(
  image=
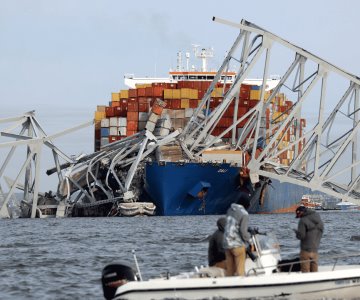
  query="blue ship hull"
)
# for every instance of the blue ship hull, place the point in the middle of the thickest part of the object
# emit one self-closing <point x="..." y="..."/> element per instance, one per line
<point x="174" y="189"/>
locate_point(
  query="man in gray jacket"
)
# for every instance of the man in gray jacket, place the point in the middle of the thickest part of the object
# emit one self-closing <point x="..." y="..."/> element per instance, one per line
<point x="309" y="232"/>
<point x="236" y="237"/>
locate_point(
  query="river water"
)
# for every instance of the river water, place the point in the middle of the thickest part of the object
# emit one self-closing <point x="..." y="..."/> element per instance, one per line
<point x="63" y="258"/>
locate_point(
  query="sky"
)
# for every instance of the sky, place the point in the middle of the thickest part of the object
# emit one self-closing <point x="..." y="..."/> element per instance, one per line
<point x="62" y="58"/>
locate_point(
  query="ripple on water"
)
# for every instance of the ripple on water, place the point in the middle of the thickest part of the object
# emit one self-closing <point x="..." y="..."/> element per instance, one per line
<point x="63" y="258"/>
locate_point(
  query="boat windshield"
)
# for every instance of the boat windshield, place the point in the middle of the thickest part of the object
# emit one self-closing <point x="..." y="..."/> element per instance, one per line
<point x="268" y="242"/>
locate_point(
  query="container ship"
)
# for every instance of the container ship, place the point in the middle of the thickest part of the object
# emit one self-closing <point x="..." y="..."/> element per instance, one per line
<point x="176" y="185"/>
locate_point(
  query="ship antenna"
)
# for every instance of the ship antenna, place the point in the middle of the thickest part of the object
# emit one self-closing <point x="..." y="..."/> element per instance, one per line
<point x="187" y="55"/>
<point x="179" y="62"/>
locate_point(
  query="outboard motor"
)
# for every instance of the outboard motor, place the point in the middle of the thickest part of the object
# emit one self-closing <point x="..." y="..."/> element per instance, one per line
<point x="115" y="275"/>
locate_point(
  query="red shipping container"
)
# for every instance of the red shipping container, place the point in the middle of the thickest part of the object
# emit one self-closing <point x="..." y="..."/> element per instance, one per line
<point x="109" y="111"/>
<point x="205" y="85"/>
<point x="244" y="103"/>
<point x="132" y="93"/>
<point x="201" y="94"/>
<point x="123" y="104"/>
<point x="193" y="103"/>
<point x="149" y="91"/>
<point x="229" y="112"/>
<point x="133" y="104"/>
<point x="253" y="103"/>
<point x="242" y="111"/>
<point x="118" y="111"/>
<point x="143" y="107"/>
<point x="141" y="92"/>
<point x="212" y="103"/>
<point x="197" y="85"/>
<point x="158" y="91"/>
<point x="217" y="101"/>
<point x="245" y="91"/>
<point x="132" y="125"/>
<point x="132" y="116"/>
<point x="175" y="103"/>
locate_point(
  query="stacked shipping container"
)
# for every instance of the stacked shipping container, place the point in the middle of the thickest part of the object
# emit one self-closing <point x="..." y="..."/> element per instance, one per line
<point x="159" y="107"/>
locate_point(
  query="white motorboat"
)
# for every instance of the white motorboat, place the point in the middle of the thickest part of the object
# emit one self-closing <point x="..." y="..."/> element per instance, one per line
<point x="267" y="276"/>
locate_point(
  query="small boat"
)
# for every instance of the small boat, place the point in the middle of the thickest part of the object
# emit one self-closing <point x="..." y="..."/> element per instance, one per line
<point x="267" y="276"/>
<point x="347" y="206"/>
<point x="130" y="209"/>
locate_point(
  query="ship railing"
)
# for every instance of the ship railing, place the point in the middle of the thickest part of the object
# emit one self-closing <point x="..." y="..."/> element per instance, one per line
<point x="290" y="266"/>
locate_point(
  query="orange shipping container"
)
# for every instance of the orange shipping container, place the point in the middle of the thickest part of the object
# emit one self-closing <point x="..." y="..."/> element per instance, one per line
<point x="149" y="92"/>
<point x="132" y="116"/>
<point x="133" y="104"/>
<point x="141" y="92"/>
<point x="132" y="125"/>
<point x="158" y="91"/>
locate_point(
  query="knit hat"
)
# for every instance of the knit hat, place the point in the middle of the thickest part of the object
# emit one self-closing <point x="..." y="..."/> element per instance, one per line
<point x="299" y="210"/>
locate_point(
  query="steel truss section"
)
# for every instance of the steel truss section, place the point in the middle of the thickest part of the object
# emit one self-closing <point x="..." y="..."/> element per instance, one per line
<point x="33" y="137"/>
<point x="323" y="157"/>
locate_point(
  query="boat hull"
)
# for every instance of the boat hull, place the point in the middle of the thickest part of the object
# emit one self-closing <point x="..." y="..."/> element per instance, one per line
<point x="172" y="187"/>
<point x="343" y="283"/>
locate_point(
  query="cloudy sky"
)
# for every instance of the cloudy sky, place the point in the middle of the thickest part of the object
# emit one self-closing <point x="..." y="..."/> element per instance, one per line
<point x="64" y="57"/>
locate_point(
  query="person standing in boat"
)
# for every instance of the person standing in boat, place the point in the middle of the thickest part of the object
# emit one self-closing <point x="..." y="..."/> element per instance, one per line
<point x="237" y="237"/>
<point x="216" y="251"/>
<point x="309" y="232"/>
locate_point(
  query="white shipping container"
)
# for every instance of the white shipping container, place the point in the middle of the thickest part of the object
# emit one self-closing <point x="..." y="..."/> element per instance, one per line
<point x="122" y="131"/>
<point x="171" y="113"/>
<point x="161" y="131"/>
<point x="164" y="122"/>
<point x="113" y="130"/>
<point x="105" y="122"/>
<point x="113" y="121"/>
<point x="150" y="126"/>
<point x="180" y="113"/>
<point x="143" y="116"/>
<point x="153" y="118"/>
<point x="189" y="112"/>
<point x="122" y="122"/>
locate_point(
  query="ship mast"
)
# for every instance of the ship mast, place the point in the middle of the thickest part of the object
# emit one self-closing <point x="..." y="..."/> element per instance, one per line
<point x="203" y="54"/>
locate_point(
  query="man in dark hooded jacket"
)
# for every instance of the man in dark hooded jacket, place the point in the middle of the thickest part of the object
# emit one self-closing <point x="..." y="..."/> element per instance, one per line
<point x="216" y="252"/>
<point x="309" y="232"/>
